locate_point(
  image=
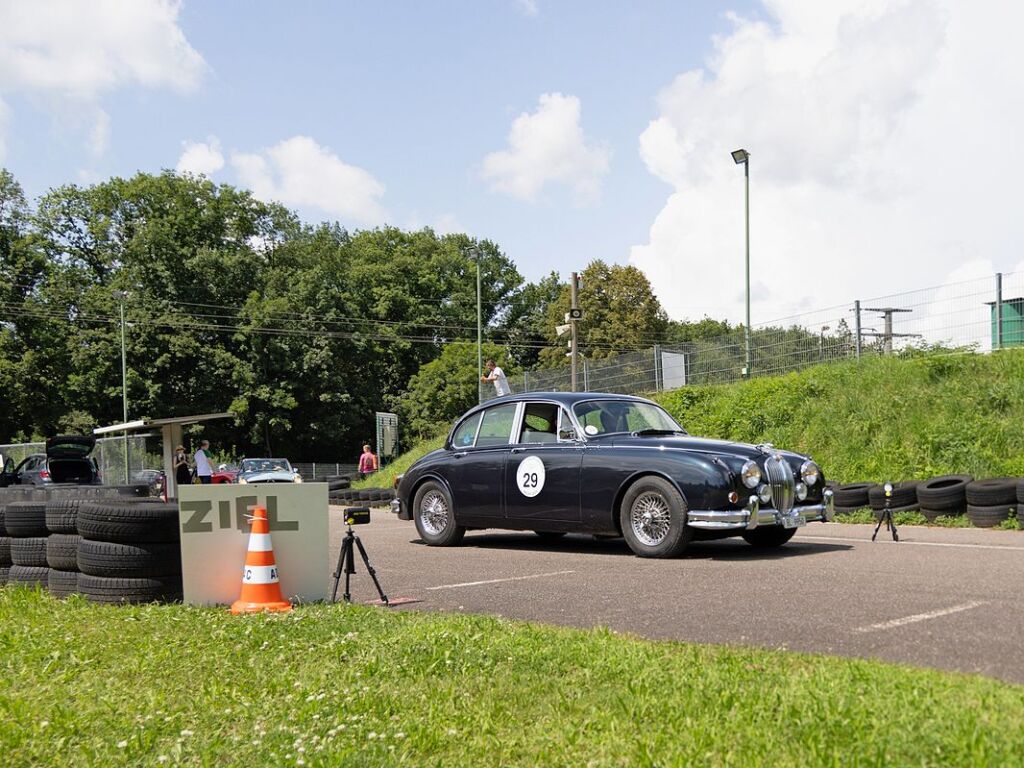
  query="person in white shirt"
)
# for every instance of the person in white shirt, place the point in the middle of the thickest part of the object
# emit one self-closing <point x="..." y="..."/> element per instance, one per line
<point x="495" y="374"/>
<point x="203" y="469"/>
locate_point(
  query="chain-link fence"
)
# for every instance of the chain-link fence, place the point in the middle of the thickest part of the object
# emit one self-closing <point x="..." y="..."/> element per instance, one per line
<point x="974" y="315"/>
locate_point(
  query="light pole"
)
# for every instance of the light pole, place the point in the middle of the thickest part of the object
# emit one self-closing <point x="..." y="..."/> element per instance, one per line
<point x="122" y="295"/>
<point x="742" y="156"/>
<point x="479" y="328"/>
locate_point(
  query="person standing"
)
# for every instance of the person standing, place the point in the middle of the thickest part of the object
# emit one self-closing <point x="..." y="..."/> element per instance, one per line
<point x="495" y="374"/>
<point x="203" y="469"/>
<point x="367" y="462"/>
<point x="182" y="471"/>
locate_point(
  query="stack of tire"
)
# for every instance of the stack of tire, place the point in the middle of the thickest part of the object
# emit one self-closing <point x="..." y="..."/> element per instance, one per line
<point x="851" y="496"/>
<point x="337" y="485"/>
<point x="990" y="502"/>
<point x="943" y="496"/>
<point x="129" y="551"/>
<point x="370" y="497"/>
<point x="5" y="547"/>
<point x="25" y="522"/>
<point x="62" y="546"/>
<point x="903" y="499"/>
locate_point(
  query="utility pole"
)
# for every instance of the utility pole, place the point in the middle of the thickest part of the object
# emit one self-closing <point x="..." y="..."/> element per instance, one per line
<point x="887" y="333"/>
<point x="574" y="314"/>
<point x="479" y="332"/>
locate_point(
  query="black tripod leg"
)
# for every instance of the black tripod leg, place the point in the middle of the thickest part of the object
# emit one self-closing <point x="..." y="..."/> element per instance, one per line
<point x="881" y="520"/>
<point x="350" y="567"/>
<point x="373" y="573"/>
<point x="892" y="521"/>
<point x="338" y="571"/>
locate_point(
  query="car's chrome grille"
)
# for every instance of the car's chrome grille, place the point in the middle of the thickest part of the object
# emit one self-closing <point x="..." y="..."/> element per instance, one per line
<point x="780" y="479"/>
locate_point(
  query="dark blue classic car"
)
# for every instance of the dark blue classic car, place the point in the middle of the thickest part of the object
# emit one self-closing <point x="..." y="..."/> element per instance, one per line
<point x="555" y="463"/>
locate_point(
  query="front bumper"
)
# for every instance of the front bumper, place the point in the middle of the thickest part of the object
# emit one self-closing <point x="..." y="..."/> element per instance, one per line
<point x="396" y="508"/>
<point x="752" y="515"/>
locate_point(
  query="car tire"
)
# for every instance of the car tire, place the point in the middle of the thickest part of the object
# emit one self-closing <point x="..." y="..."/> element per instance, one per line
<point x="948" y="492"/>
<point x="5" y="574"/>
<point x="101" y="558"/>
<point x="434" y="515"/>
<point x="126" y="522"/>
<point x="29" y="575"/>
<point x="3" y="518"/>
<point x="5" y="551"/>
<point x="62" y="515"/>
<point x="768" y="537"/>
<point x="62" y="551"/>
<point x="62" y="583"/>
<point x="852" y="495"/>
<point x="993" y="492"/>
<point x="1020" y="499"/>
<point x="653" y="519"/>
<point x="103" y="589"/>
<point x="904" y="496"/>
<point x="550" y="535"/>
<point x="29" y="551"/>
<point x="337" y="485"/>
<point x="26" y="518"/>
<point x="989" y="516"/>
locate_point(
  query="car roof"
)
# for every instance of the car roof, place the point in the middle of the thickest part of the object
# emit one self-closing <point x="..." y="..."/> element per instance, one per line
<point x="564" y="398"/>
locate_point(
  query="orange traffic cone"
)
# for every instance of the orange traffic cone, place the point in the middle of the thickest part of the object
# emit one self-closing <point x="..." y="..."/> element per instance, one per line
<point x="261" y="590"/>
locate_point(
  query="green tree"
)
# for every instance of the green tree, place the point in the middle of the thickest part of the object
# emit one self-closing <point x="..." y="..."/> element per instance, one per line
<point x="444" y="388"/>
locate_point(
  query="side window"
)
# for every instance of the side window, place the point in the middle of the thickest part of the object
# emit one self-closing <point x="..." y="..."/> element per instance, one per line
<point x="540" y="423"/>
<point x="466" y="432"/>
<point x="496" y="425"/>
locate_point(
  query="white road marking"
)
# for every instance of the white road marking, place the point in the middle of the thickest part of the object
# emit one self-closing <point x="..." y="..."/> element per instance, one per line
<point x="893" y="623"/>
<point x="902" y="542"/>
<point x="498" y="581"/>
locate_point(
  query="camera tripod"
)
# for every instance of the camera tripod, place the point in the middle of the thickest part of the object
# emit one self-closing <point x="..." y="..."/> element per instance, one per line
<point x="887" y="518"/>
<point x="347" y="565"/>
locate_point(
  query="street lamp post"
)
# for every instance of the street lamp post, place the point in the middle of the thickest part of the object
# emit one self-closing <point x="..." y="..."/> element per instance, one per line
<point x="742" y="156"/>
<point x="479" y="329"/>
<point x="122" y="295"/>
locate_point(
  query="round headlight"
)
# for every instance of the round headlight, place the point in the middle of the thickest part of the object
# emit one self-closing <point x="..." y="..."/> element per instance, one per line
<point x="242" y="481"/>
<point x="801" y="491"/>
<point x="810" y="473"/>
<point x="751" y="474"/>
<point x="764" y="493"/>
<point x="297" y="479"/>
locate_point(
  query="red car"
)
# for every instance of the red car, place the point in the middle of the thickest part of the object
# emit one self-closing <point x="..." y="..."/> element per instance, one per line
<point x="225" y="473"/>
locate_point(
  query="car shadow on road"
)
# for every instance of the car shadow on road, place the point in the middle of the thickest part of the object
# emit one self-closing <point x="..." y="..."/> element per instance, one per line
<point x="730" y="549"/>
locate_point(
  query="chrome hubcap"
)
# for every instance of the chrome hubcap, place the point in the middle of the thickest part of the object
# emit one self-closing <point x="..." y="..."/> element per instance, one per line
<point x="434" y="513"/>
<point x="650" y="518"/>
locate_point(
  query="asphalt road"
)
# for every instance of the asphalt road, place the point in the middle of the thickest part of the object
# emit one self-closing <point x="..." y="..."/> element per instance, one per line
<point x="945" y="598"/>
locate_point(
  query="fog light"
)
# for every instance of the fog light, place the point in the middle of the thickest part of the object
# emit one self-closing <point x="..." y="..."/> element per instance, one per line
<point x="764" y="493"/>
<point x="801" y="491"/>
<point x="733" y="497"/>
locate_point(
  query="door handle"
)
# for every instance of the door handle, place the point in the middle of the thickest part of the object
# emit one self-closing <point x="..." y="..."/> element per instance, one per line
<point x="518" y="450"/>
<point x="460" y="454"/>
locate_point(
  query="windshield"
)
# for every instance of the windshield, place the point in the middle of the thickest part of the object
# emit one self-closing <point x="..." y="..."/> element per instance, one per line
<point x="604" y="417"/>
<point x="266" y="465"/>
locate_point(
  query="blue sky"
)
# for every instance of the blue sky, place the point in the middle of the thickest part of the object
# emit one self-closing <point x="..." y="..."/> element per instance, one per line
<point x="416" y="94"/>
<point x="567" y="130"/>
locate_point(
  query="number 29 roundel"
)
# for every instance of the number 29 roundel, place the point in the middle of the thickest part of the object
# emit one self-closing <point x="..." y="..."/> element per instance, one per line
<point x="530" y="476"/>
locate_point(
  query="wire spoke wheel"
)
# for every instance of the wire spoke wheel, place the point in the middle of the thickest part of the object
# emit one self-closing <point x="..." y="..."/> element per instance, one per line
<point x="434" y="513"/>
<point x="650" y="518"/>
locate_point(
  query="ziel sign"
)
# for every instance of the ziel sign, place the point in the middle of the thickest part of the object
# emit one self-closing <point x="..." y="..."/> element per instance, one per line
<point x="215" y="537"/>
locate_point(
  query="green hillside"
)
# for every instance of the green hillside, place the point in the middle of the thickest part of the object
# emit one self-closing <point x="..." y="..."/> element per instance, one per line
<point x="877" y="419"/>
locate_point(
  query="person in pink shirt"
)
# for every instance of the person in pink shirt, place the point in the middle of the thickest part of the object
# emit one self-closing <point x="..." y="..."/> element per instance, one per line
<point x="367" y="462"/>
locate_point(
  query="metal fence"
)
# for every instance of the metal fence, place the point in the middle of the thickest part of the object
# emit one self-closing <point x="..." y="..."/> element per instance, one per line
<point x="321" y="470"/>
<point x="974" y="315"/>
<point x="112" y="455"/>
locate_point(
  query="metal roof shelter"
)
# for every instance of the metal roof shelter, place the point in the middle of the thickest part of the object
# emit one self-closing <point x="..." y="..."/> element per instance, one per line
<point x="170" y="430"/>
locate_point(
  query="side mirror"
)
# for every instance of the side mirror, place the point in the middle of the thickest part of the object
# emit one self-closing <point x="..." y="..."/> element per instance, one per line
<point x="567" y="434"/>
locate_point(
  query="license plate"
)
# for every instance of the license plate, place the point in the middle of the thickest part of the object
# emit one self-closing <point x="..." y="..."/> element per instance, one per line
<point x="793" y="521"/>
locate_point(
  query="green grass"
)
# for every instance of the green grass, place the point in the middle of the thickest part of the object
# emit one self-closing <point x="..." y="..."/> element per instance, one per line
<point x="883" y="418"/>
<point x="332" y="685"/>
<point x="385" y="478"/>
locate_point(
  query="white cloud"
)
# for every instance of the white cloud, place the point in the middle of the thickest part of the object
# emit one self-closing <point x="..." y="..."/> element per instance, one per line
<point x="549" y="146"/>
<point x="875" y="132"/>
<point x="73" y="52"/>
<point x="528" y="7"/>
<point x="201" y="157"/>
<point x="300" y="172"/>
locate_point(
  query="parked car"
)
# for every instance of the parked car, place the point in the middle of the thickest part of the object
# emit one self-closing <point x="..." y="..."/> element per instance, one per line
<point x="154" y="478"/>
<point x="556" y="463"/>
<point x="225" y="473"/>
<point x="267" y="471"/>
<point x="66" y="460"/>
